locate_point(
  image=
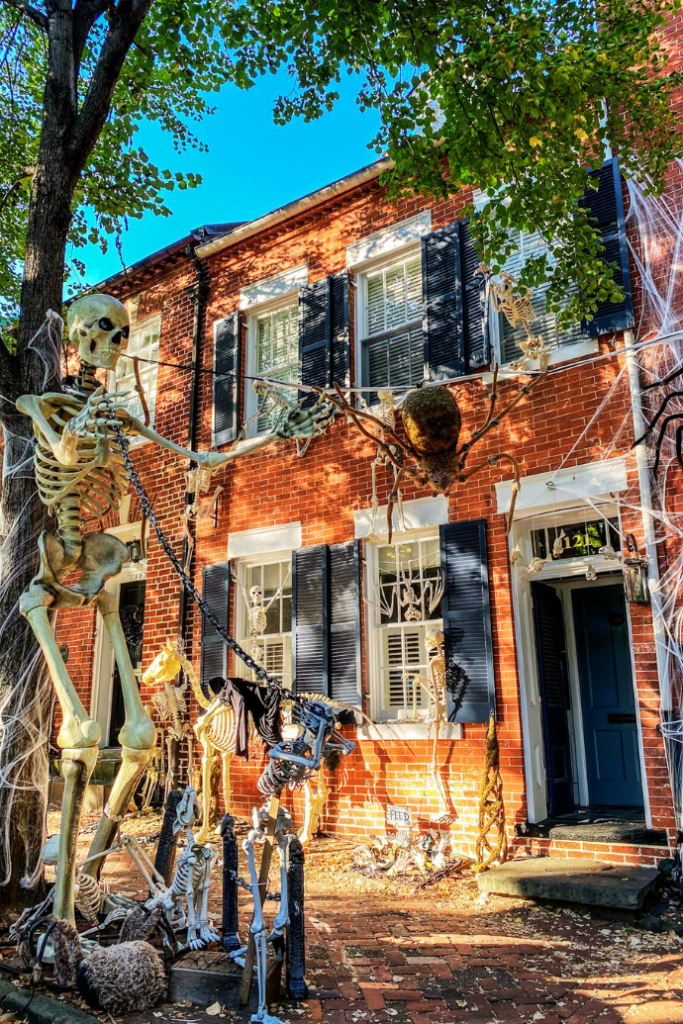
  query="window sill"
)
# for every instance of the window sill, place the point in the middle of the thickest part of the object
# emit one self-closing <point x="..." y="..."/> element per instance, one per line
<point x="408" y="731"/>
<point x="557" y="356"/>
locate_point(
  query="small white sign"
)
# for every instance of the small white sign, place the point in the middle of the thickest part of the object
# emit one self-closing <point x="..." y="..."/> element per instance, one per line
<point x="399" y="817"/>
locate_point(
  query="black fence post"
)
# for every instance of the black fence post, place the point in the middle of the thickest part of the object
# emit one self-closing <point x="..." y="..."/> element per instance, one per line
<point x="296" y="932"/>
<point x="230" y="909"/>
<point x="166" y="850"/>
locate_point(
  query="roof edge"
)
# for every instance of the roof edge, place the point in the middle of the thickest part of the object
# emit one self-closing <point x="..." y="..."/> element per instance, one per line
<point x="282" y="213"/>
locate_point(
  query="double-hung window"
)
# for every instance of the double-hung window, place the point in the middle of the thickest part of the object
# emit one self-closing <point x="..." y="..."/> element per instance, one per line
<point x="389" y="322"/>
<point x="505" y="337"/>
<point x="266" y="585"/>
<point x="144" y="343"/>
<point x="405" y="608"/>
<point x="273" y="352"/>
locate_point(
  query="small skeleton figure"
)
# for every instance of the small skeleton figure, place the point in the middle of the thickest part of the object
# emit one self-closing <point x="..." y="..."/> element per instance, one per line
<point x="191" y="881"/>
<point x="516" y="307"/>
<point x="288" y="418"/>
<point x="558" y="546"/>
<point x="435" y="688"/>
<point x="607" y="551"/>
<point x="591" y="572"/>
<point x="197" y="482"/>
<point x="404" y="595"/>
<point x="257" y="614"/>
<point x="515" y="554"/>
<point x="385" y="414"/>
<point x="536" y="565"/>
<point x="259" y="931"/>
<point x="80" y="469"/>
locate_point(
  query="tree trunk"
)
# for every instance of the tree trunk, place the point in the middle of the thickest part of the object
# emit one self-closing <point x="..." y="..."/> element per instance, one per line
<point x="26" y="695"/>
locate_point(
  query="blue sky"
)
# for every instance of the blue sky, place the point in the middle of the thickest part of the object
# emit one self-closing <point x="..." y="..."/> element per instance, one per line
<point x="252" y="166"/>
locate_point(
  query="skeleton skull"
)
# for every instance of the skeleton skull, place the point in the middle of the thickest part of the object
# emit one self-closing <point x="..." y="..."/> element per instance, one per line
<point x="256" y="595"/>
<point x="100" y="326"/>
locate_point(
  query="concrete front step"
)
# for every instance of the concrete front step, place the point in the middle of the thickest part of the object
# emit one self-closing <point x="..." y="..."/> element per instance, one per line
<point x="572" y="881"/>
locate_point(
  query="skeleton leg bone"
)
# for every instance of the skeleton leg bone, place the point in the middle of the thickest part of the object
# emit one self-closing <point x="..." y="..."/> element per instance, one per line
<point x="77" y="740"/>
<point x="202" y="732"/>
<point x="137" y="736"/>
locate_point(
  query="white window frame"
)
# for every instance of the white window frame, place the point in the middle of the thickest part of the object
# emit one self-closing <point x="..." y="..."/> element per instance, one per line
<point x="139" y="327"/>
<point x="290" y="298"/>
<point x="388" y="716"/>
<point x="241" y="567"/>
<point x="563" y="354"/>
<point x="361" y="273"/>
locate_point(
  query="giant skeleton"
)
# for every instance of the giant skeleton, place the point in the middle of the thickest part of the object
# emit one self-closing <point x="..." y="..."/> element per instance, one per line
<point x="80" y="470"/>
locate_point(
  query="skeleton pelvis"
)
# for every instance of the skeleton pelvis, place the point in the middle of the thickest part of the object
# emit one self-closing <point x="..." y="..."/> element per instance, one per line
<point x="102" y="556"/>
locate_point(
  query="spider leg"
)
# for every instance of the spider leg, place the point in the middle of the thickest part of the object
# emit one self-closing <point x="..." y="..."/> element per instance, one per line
<point x="495" y="421"/>
<point x="493" y="396"/>
<point x="653" y="422"/>
<point x="516" y="483"/>
<point x="393" y="498"/>
<point x="678" y="372"/>
<point x="679" y="445"/>
<point x="355" y="414"/>
<point x="662" y="432"/>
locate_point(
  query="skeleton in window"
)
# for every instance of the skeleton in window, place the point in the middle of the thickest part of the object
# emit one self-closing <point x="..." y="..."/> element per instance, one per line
<point x="287" y="416"/>
<point x="257" y="614"/>
<point x="404" y="595"/>
<point x="515" y="305"/>
<point x="80" y="472"/>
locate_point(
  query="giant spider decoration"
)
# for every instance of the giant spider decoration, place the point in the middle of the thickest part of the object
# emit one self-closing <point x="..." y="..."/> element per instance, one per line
<point x="678" y="372"/>
<point x="432" y="423"/>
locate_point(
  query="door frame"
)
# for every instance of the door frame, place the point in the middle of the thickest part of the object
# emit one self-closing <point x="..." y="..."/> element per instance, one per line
<point x="103" y="652"/>
<point x="562" y="573"/>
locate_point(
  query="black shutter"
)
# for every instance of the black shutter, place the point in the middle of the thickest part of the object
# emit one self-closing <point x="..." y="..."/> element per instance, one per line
<point x="467" y="622"/>
<point x="345" y="642"/>
<point x="315" y="335"/>
<point x="310" y="580"/>
<point x="606" y="208"/>
<point x="226" y="390"/>
<point x="216" y="592"/>
<point x="442" y="303"/>
<point x="475" y="331"/>
<point x="340" y="319"/>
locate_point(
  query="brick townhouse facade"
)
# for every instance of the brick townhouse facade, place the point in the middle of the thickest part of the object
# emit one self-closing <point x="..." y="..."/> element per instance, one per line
<point x="344" y="286"/>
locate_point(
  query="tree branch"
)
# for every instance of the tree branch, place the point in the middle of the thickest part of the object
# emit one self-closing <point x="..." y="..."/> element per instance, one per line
<point x="28" y="173"/>
<point x="86" y="13"/>
<point x="36" y="16"/>
<point x="126" y="18"/>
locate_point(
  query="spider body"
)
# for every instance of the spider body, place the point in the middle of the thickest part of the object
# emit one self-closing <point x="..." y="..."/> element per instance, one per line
<point x="432" y="421"/>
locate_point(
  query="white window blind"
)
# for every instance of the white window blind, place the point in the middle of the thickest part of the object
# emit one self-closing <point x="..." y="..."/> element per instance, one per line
<point x="143" y="342"/>
<point x="393" y="347"/>
<point x="277" y="351"/>
<point x="529" y="245"/>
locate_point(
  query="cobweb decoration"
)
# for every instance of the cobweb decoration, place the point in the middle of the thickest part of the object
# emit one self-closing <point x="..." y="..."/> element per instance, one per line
<point x="656" y="246"/>
<point x="48" y="344"/>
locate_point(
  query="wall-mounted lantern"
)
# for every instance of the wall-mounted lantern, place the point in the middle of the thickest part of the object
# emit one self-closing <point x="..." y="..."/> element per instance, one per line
<point x="134" y="551"/>
<point x="635" y="574"/>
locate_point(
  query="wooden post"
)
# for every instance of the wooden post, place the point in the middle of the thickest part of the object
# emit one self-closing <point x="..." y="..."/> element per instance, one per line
<point x="250" y="956"/>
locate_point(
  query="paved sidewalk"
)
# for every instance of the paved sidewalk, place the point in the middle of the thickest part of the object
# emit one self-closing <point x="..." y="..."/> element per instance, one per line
<point x="380" y="951"/>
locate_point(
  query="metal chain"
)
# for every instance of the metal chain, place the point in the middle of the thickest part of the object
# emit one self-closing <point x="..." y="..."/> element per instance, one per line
<point x="243" y="884"/>
<point x="187" y="583"/>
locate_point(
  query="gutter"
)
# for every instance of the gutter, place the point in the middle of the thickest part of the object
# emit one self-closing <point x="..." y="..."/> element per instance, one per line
<point x="269" y="220"/>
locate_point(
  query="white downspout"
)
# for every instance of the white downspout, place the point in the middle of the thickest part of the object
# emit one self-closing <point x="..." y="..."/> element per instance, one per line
<point x="650" y="548"/>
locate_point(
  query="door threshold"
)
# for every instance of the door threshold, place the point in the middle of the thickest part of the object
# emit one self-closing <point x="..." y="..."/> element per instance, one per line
<point x="624" y="825"/>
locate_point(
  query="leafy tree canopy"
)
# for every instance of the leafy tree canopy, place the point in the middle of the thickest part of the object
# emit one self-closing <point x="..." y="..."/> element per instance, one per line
<point x="515" y="98"/>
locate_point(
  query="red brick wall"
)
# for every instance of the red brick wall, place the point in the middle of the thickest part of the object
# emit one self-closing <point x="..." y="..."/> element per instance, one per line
<point x="323" y="490"/>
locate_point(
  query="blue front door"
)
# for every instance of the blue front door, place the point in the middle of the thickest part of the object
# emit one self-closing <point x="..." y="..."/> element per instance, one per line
<point x="607" y="699"/>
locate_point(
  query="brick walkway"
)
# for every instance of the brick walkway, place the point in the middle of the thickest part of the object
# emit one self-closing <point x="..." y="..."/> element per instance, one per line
<point x="379" y="951"/>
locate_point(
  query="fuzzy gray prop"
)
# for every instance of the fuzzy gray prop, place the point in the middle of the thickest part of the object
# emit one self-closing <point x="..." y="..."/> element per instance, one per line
<point x="122" y="979"/>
